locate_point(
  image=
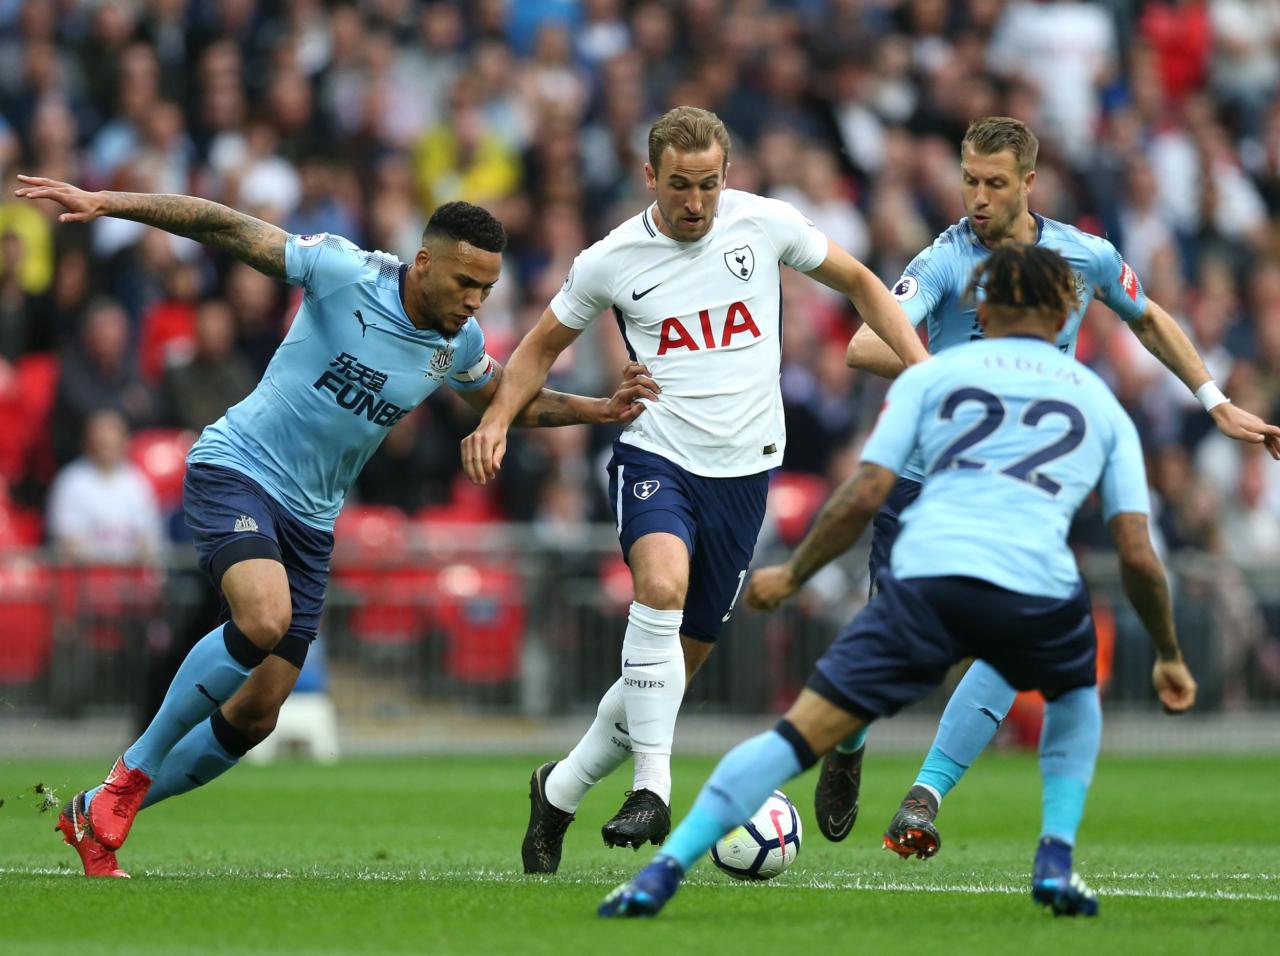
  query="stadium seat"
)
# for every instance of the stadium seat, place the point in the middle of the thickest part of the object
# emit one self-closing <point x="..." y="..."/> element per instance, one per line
<point x="168" y="333"/>
<point x="19" y="527"/>
<point x="37" y="384"/>
<point x="794" y="500"/>
<point x="161" y="455"/>
<point x="390" y="598"/>
<point x="26" y="621"/>
<point x="481" y="614"/>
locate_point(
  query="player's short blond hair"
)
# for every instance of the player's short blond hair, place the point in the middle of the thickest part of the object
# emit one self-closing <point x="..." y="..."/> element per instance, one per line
<point x="995" y="134"/>
<point x="686" y="129"/>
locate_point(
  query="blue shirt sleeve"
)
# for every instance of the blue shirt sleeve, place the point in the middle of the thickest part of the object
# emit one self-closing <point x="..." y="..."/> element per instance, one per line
<point x="1123" y="486"/>
<point x="1118" y="285"/>
<point x="472" y="367"/>
<point x="898" y="429"/>
<point x="322" y="263"/>
<point x="925" y="283"/>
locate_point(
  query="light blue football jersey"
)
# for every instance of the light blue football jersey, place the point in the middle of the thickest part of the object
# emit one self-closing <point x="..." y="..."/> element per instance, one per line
<point x="351" y="366"/>
<point x="1014" y="434"/>
<point x="932" y="289"/>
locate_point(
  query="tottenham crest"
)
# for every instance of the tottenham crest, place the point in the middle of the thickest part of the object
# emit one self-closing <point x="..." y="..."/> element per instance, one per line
<point x="644" y="490"/>
<point x="440" y="363"/>
<point x="741" y="262"/>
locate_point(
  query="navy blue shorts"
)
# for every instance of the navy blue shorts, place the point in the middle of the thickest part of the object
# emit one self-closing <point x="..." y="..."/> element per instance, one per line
<point x="232" y="519"/>
<point x="900" y="646"/>
<point x="885" y="525"/>
<point x="718" y="519"/>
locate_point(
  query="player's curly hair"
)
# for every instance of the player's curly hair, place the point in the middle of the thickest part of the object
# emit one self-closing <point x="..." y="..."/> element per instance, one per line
<point x="1026" y="279"/>
<point x="463" y="222"/>
<point x="989" y="135"/>
<point x="687" y="129"/>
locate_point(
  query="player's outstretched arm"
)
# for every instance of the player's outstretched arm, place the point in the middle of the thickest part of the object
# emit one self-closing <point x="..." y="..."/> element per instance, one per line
<point x="840" y="523"/>
<point x="250" y="240"/>
<point x="1164" y="338"/>
<point x="868" y="352"/>
<point x="875" y="303"/>
<point x="551" y="409"/>
<point x="522" y="380"/>
<point x="1147" y="588"/>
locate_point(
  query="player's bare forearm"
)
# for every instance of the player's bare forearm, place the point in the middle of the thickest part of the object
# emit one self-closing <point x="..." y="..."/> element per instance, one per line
<point x="554" y="409"/>
<point x="1163" y="337"/>
<point x="842" y="520"/>
<point x="523" y="378"/>
<point x="881" y="311"/>
<point x="258" y="243"/>
<point x="868" y="352"/>
<point x="876" y="304"/>
<point x="1145" y="583"/>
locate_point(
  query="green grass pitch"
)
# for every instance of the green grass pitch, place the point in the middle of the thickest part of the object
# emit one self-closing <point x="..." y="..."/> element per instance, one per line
<point x="422" y="856"/>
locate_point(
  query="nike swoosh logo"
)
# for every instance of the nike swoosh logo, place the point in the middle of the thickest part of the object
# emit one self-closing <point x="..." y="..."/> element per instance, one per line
<point x="838" y="827"/>
<point x="637" y="296"/>
<point x="621" y="729"/>
<point x="626" y="663"/>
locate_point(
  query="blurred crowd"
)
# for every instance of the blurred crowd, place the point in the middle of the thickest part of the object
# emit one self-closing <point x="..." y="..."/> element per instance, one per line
<point x="1159" y="124"/>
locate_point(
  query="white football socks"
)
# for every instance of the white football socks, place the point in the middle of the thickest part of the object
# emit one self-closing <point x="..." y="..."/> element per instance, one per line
<point x="600" y="752"/>
<point x="652" y="688"/>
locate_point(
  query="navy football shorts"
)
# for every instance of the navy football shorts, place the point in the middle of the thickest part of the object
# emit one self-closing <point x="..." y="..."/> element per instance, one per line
<point x="885" y="525"/>
<point x="233" y="519"/>
<point x="718" y="519"/>
<point x="900" y="646"/>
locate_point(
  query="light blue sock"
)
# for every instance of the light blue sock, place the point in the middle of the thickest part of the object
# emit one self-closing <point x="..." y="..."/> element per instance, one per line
<point x="194" y="761"/>
<point x="737" y="788"/>
<point x="1069" y="744"/>
<point x="213" y="670"/>
<point x="972" y="717"/>
<point x="853" y="744"/>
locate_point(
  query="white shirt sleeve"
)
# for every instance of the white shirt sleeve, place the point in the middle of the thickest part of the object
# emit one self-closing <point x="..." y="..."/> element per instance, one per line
<point x="587" y="290"/>
<point x="800" y="244"/>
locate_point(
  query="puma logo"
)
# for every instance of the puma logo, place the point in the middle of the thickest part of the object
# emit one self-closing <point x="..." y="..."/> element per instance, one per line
<point x="364" y="326"/>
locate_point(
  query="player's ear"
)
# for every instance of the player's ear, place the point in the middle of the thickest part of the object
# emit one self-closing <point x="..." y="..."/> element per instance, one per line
<point x="982" y="316"/>
<point x="650" y="177"/>
<point x="423" y="259"/>
<point x="1028" y="180"/>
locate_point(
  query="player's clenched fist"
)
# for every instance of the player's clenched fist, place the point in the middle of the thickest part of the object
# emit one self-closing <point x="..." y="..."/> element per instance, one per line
<point x="770" y="587"/>
<point x="482" y="452"/>
<point x="1174" y="685"/>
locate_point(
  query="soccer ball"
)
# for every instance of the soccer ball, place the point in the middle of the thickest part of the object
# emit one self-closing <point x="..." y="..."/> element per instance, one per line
<point x="765" y="845"/>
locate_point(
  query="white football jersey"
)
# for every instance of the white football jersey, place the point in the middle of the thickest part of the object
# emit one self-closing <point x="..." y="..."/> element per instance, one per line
<point x="706" y="318"/>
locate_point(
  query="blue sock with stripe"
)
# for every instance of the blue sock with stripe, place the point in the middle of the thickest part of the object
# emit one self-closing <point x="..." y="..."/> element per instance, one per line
<point x="213" y="670"/>
<point x="1069" y="745"/>
<point x="973" y="715"/>
<point x="736" y="789"/>
<point x="211" y="749"/>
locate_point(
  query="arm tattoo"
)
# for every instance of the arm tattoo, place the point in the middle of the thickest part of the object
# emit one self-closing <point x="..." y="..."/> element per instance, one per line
<point x="550" y="410"/>
<point x="250" y="240"/>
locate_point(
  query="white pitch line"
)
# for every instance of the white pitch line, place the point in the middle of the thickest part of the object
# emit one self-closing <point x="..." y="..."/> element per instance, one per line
<point x="976" y="887"/>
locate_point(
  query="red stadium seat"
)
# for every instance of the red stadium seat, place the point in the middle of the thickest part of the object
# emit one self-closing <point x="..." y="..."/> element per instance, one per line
<point x="794" y="500"/>
<point x="391" y="598"/>
<point x="481" y="613"/>
<point x="37" y="384"/>
<point x="161" y="454"/>
<point x="168" y="331"/>
<point x="19" y="527"/>
<point x="26" y="621"/>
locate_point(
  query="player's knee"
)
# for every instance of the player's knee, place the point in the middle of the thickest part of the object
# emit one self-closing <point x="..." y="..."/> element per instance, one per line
<point x="265" y="624"/>
<point x="254" y="715"/>
<point x="662" y="593"/>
